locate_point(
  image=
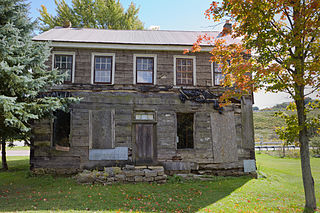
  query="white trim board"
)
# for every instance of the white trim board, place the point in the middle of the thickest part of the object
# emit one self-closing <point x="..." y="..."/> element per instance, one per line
<point x="154" y="56"/>
<point x="126" y="46"/>
<point x="212" y="75"/>
<point x="113" y="55"/>
<point x="175" y="68"/>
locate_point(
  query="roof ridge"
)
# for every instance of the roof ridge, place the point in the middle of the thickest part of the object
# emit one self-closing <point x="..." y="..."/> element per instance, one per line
<point x="84" y="28"/>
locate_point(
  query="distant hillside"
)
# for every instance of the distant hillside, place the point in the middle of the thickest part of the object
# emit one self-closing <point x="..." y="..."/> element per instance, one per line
<point x="283" y="106"/>
<point x="265" y="122"/>
<point x="264" y="125"/>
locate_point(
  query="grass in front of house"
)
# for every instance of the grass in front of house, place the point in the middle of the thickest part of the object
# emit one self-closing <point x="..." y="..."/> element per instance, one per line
<point x="280" y="191"/>
<point x="18" y="148"/>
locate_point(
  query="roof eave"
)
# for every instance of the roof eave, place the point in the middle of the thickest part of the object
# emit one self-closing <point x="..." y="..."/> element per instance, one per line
<point x="123" y="46"/>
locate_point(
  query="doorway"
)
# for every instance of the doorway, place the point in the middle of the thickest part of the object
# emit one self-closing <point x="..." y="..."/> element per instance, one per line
<point x="144" y="143"/>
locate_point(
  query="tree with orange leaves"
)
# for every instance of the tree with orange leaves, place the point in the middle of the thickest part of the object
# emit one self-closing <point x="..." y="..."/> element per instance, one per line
<point x="284" y="37"/>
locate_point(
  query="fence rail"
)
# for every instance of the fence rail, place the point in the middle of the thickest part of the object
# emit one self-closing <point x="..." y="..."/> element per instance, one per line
<point x="275" y="147"/>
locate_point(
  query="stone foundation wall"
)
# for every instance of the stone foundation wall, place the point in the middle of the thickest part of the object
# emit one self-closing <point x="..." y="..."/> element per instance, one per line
<point x="127" y="174"/>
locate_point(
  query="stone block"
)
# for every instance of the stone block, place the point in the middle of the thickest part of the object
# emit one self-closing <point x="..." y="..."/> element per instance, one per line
<point x="128" y="173"/>
<point x="129" y="167"/>
<point x="160" y="173"/>
<point x="120" y="178"/>
<point x="163" y="177"/>
<point x="85" y="178"/>
<point x="138" y="173"/>
<point x="148" y="179"/>
<point x="111" y="179"/>
<point x="177" y="166"/>
<point x="132" y="173"/>
<point x="156" y="168"/>
<point x="108" y="171"/>
<point x="130" y="179"/>
<point x="138" y="178"/>
<point x="150" y="173"/>
<point x="140" y="167"/>
<point x="117" y="170"/>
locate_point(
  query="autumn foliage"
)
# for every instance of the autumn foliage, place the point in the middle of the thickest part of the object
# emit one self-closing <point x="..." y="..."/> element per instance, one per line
<point x="279" y="52"/>
<point x="267" y="57"/>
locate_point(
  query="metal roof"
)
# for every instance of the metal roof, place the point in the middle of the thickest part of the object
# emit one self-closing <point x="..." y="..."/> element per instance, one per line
<point x="146" y="37"/>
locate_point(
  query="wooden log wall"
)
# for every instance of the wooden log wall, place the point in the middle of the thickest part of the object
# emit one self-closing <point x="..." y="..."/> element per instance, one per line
<point x="123" y="99"/>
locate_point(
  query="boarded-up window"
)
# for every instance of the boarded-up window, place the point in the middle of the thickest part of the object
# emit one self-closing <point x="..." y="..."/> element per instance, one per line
<point x="61" y="129"/>
<point x="224" y="143"/>
<point x="102" y="129"/>
<point x="185" y="130"/>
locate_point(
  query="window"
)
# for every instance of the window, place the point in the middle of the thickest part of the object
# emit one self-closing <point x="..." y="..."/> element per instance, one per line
<point x="102" y="69"/>
<point x="145" y="67"/>
<point x="61" y="129"/>
<point x="65" y="63"/>
<point x="144" y="116"/>
<point x="185" y="70"/>
<point x="218" y="77"/>
<point x="185" y="130"/>
<point x="144" y="70"/>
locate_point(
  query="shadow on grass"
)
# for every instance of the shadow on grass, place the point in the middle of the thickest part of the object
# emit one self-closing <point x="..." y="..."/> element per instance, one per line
<point x="17" y="165"/>
<point x="61" y="193"/>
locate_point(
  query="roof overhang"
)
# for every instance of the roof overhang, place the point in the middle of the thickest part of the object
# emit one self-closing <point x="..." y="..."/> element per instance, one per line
<point x="150" y="47"/>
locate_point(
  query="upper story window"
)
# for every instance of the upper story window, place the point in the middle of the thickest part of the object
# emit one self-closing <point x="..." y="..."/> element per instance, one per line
<point x="145" y="68"/>
<point x="218" y="76"/>
<point x="217" y="73"/>
<point x="102" y="68"/>
<point x="185" y="70"/>
<point x="65" y="63"/>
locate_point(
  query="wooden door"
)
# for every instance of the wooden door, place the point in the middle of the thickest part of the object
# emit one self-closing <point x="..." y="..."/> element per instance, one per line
<point x="144" y="143"/>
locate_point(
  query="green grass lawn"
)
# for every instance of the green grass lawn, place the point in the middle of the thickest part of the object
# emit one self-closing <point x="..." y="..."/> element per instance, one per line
<point x="280" y="191"/>
<point x="18" y="148"/>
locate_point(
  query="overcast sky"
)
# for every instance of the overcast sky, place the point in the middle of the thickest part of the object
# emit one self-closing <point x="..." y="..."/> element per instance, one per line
<point x="174" y="15"/>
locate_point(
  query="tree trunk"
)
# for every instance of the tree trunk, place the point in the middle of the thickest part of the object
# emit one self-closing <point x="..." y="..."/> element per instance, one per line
<point x="4" y="156"/>
<point x="308" y="181"/>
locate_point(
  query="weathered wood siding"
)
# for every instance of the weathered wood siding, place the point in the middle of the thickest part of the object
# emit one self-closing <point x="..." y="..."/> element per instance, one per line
<point x="104" y="119"/>
<point x="124" y="66"/>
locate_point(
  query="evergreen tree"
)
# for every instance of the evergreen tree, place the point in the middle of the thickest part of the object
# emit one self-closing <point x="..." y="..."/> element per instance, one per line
<point x="101" y="14"/>
<point x="23" y="75"/>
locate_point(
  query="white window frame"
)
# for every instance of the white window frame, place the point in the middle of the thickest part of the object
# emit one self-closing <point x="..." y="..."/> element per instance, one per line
<point x="175" y="68"/>
<point x="212" y="74"/>
<point x="73" y="61"/>
<point x="155" y="63"/>
<point x="113" y="55"/>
